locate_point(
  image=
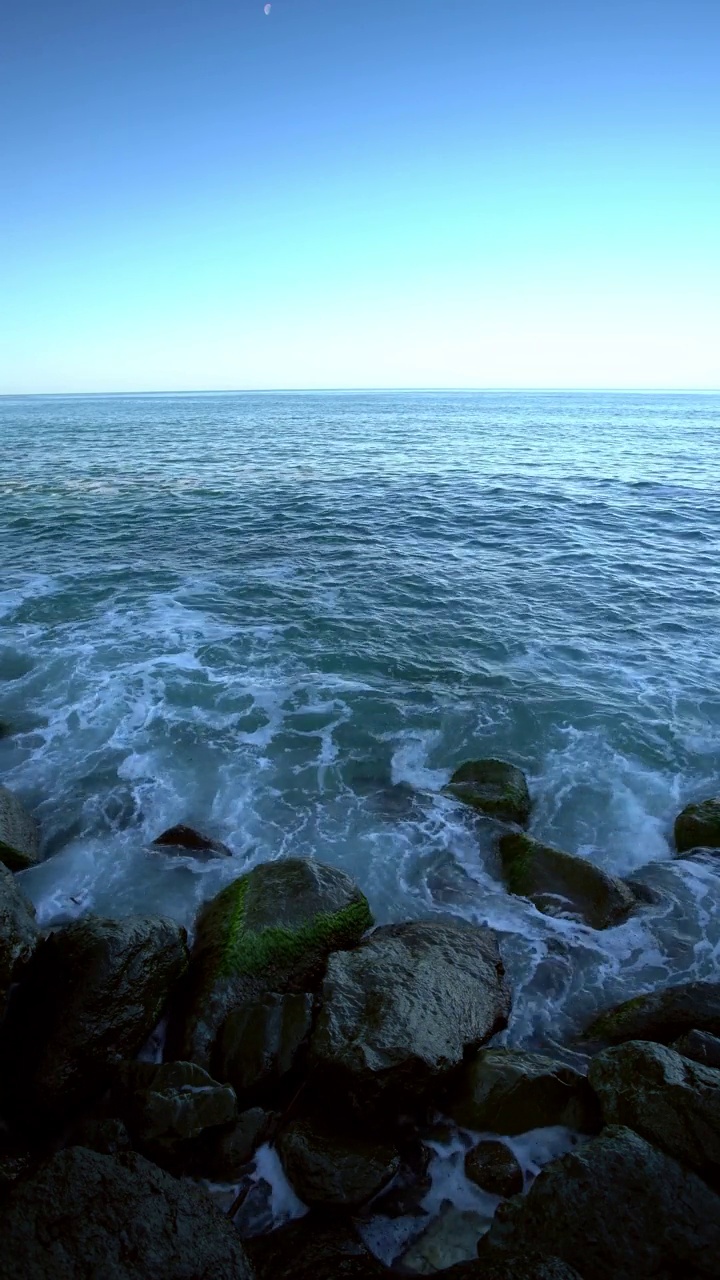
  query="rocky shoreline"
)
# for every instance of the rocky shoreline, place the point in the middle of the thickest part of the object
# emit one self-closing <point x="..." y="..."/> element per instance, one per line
<point x="142" y="1078"/>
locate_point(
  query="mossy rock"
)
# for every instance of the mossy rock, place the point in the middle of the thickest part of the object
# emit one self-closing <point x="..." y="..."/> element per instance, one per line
<point x="270" y="930"/>
<point x="561" y="883"/>
<point x="492" y="787"/>
<point x="19" y="834"/>
<point x="662" y="1016"/>
<point x="698" y="826"/>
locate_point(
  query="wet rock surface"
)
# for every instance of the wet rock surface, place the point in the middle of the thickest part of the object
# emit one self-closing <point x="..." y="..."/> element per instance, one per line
<point x="700" y="1046"/>
<point x="172" y="1104"/>
<point x="224" y="1153"/>
<point x="509" y="1091"/>
<point x="332" y="1166"/>
<point x="698" y="825"/>
<point x="269" y="931"/>
<point x="492" y="787"/>
<point x="407" y="1005"/>
<point x="493" y="1167"/>
<point x="18" y="932"/>
<point x="19" y="834"/>
<point x="451" y="1238"/>
<point x="317" y="1247"/>
<point x="661" y="1015"/>
<point x="259" y="1043"/>
<point x="615" y="1207"/>
<point x="84" y="1215"/>
<point x="563" y="884"/>
<point x="525" y="1266"/>
<point x="182" y="839"/>
<point x="671" y="1101"/>
<point x="90" y="997"/>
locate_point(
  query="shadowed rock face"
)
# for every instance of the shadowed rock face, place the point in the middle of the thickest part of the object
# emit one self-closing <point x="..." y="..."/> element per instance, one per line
<point x="698" y="824"/>
<point x="187" y="840"/>
<point x="524" y="1266"/>
<point x="318" y="1247"/>
<point x="509" y="1091"/>
<point x="492" y="787"/>
<point x="661" y="1015"/>
<point x="671" y="1101"/>
<point x="18" y="932"/>
<point x="332" y="1167"/>
<point x="406" y="1006"/>
<point x="19" y="834"/>
<point x="563" y="884"/>
<point x="169" y="1105"/>
<point x="86" y="1215"/>
<point x="700" y="1046"/>
<point x="259" y="1043"/>
<point x="91" y="996"/>
<point x="493" y="1167"/>
<point x="615" y="1207"/>
<point x="269" y="931"/>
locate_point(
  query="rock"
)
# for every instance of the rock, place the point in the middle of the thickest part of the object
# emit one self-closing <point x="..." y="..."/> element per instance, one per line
<point x="317" y="1247"/>
<point x="407" y="1006"/>
<point x="698" y="824"/>
<point x="170" y="1105"/>
<point x="19" y="834"/>
<point x="618" y="1207"/>
<point x="661" y="1015"/>
<point x="91" y="996"/>
<point x="493" y="1167"/>
<point x="224" y="1153"/>
<point x="187" y="839"/>
<point x="493" y="787"/>
<point x="510" y="1091"/>
<point x="671" y="1101"/>
<point x="271" y="930"/>
<point x="561" y="884"/>
<point x="84" y="1215"/>
<point x="404" y="1195"/>
<point x="520" y="1266"/>
<point x="452" y="1237"/>
<point x="17" y="1161"/>
<point x="333" y="1167"/>
<point x="18" y="932"/>
<point x="107" y="1135"/>
<point x="700" y="1046"/>
<point x="259" y="1043"/>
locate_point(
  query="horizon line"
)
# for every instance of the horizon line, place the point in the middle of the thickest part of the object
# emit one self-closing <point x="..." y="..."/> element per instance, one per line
<point x="349" y="390"/>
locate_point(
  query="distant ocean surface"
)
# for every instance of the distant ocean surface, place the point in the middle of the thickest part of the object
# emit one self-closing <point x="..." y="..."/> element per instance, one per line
<point x="285" y="619"/>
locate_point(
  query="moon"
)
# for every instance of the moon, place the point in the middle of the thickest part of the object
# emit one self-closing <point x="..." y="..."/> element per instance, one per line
<point x="267" y="8"/>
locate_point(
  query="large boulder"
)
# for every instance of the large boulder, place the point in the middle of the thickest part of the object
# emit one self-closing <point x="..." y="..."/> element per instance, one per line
<point x="404" y="1008"/>
<point x="333" y="1167"/>
<point x="224" y="1153"/>
<point x="19" y="834"/>
<point x="92" y="994"/>
<point x="511" y="1091"/>
<point x="671" y="1101"/>
<point x="618" y="1207"/>
<point x="518" y="1266"/>
<point x="86" y="1215"/>
<point x="562" y="884"/>
<point x="661" y="1015"/>
<point x="259" y="1043"/>
<point x="271" y="930"/>
<point x="18" y="932"/>
<point x="168" y="1106"/>
<point x="182" y="839"/>
<point x="700" y="1046"/>
<point x="493" y="1167"/>
<point x="494" y="788"/>
<point x="698" y="825"/>
<point x="316" y="1247"/>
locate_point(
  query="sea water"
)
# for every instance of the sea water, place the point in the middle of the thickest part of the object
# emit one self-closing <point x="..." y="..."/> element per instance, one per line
<point x="285" y="619"/>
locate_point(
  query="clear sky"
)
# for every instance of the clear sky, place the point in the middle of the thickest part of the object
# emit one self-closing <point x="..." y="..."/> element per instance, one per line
<point x="359" y="193"/>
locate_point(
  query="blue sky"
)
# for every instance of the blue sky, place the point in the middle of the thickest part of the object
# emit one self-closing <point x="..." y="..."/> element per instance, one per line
<point x="351" y="193"/>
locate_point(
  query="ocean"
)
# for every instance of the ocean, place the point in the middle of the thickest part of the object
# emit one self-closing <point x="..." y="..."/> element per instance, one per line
<point x="285" y="619"/>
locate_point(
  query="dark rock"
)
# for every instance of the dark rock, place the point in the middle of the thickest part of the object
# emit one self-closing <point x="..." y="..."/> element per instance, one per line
<point x="403" y="1196"/>
<point x="254" y="1215"/>
<point x="493" y="1167"/>
<point x="450" y="1238"/>
<point x="259" y="1043"/>
<point x="268" y="931"/>
<point x="17" y="1161"/>
<point x="333" y="1167"/>
<point x="18" y="932"/>
<point x="698" y="824"/>
<point x="316" y="1247"/>
<point x="91" y="996"/>
<point x="19" y="834"/>
<point x="700" y="1046"/>
<point x="525" y="1266"/>
<point x="671" y="1101"/>
<point x="84" y="1215"/>
<point x="172" y="1104"/>
<point x="406" y="1006"/>
<point x="188" y="840"/>
<point x="561" y="884"/>
<point x="661" y="1015"/>
<point x="615" y="1207"/>
<point x="492" y="787"/>
<point x="107" y="1135"/>
<point x="510" y="1091"/>
<point x="224" y="1153"/>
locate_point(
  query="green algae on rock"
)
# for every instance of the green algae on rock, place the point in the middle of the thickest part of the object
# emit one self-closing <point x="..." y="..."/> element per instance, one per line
<point x="661" y="1015"/>
<point x="561" y="883"/>
<point x="19" y="834"/>
<point x="698" y="826"/>
<point x="493" y="787"/>
<point x="271" y="930"/>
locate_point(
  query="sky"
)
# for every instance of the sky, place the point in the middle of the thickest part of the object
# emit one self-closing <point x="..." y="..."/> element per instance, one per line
<point x="359" y="193"/>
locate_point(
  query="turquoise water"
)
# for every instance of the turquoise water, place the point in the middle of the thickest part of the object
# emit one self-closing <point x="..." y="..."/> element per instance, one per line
<point x="286" y="619"/>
